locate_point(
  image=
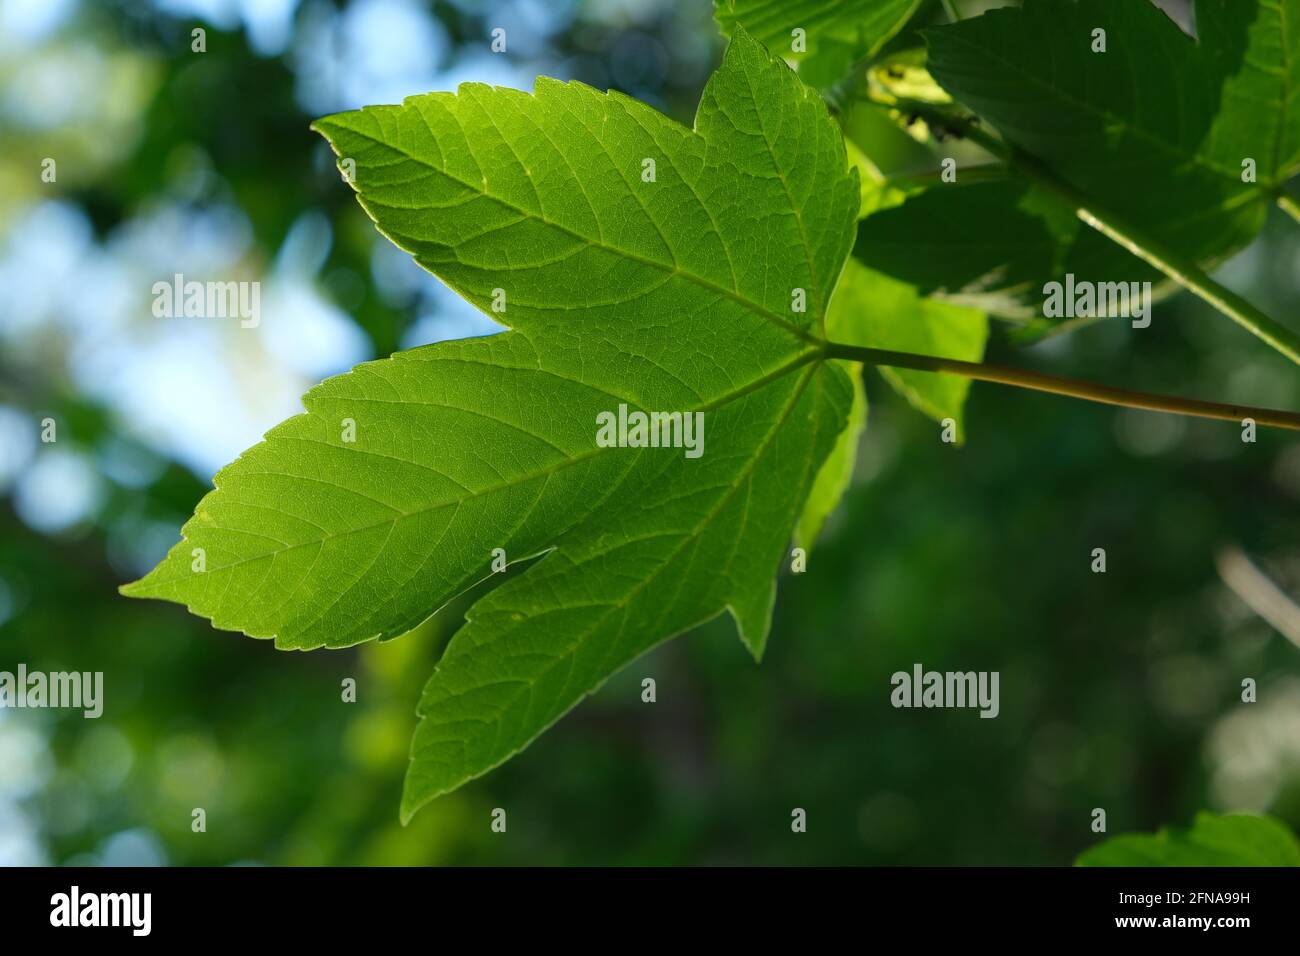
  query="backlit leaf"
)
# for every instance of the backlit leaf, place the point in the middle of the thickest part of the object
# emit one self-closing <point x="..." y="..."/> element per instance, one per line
<point x="641" y="266"/>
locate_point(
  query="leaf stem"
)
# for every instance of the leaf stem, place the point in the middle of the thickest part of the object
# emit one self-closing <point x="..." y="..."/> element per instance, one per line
<point x="1288" y="203"/>
<point x="950" y="8"/>
<point x="1058" y="385"/>
<point x="1146" y="247"/>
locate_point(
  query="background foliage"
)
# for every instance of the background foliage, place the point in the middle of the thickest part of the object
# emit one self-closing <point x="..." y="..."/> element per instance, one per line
<point x="1118" y="690"/>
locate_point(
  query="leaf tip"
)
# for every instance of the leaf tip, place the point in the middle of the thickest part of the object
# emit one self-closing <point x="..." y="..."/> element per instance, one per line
<point x="753" y="633"/>
<point x="139" y="588"/>
<point x="328" y="128"/>
<point x="412" y="802"/>
<point x="320" y="125"/>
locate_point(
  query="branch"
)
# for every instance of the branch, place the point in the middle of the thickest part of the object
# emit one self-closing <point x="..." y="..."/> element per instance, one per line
<point x="1058" y="385"/>
<point x="1258" y="592"/>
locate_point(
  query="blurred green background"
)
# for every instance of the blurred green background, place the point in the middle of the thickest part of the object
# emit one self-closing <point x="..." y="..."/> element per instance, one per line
<point x="1119" y="690"/>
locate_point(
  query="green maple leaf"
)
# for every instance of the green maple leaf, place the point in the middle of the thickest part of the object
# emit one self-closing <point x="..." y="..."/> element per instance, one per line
<point x="637" y="263"/>
<point x="1232" y="840"/>
<point x="1157" y="127"/>
<point x="836" y="33"/>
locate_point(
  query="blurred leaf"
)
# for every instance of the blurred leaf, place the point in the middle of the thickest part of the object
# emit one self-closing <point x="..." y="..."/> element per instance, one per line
<point x="836" y="33"/>
<point x="873" y="310"/>
<point x="837" y="470"/>
<point x="902" y="80"/>
<point x="903" y="75"/>
<point x="987" y="244"/>
<point x="877" y="192"/>
<point x="1234" y="840"/>
<point x="990" y="244"/>
<point x="1032" y="72"/>
<point x="1254" y="47"/>
<point x="668" y="293"/>
<point x="1154" y="126"/>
